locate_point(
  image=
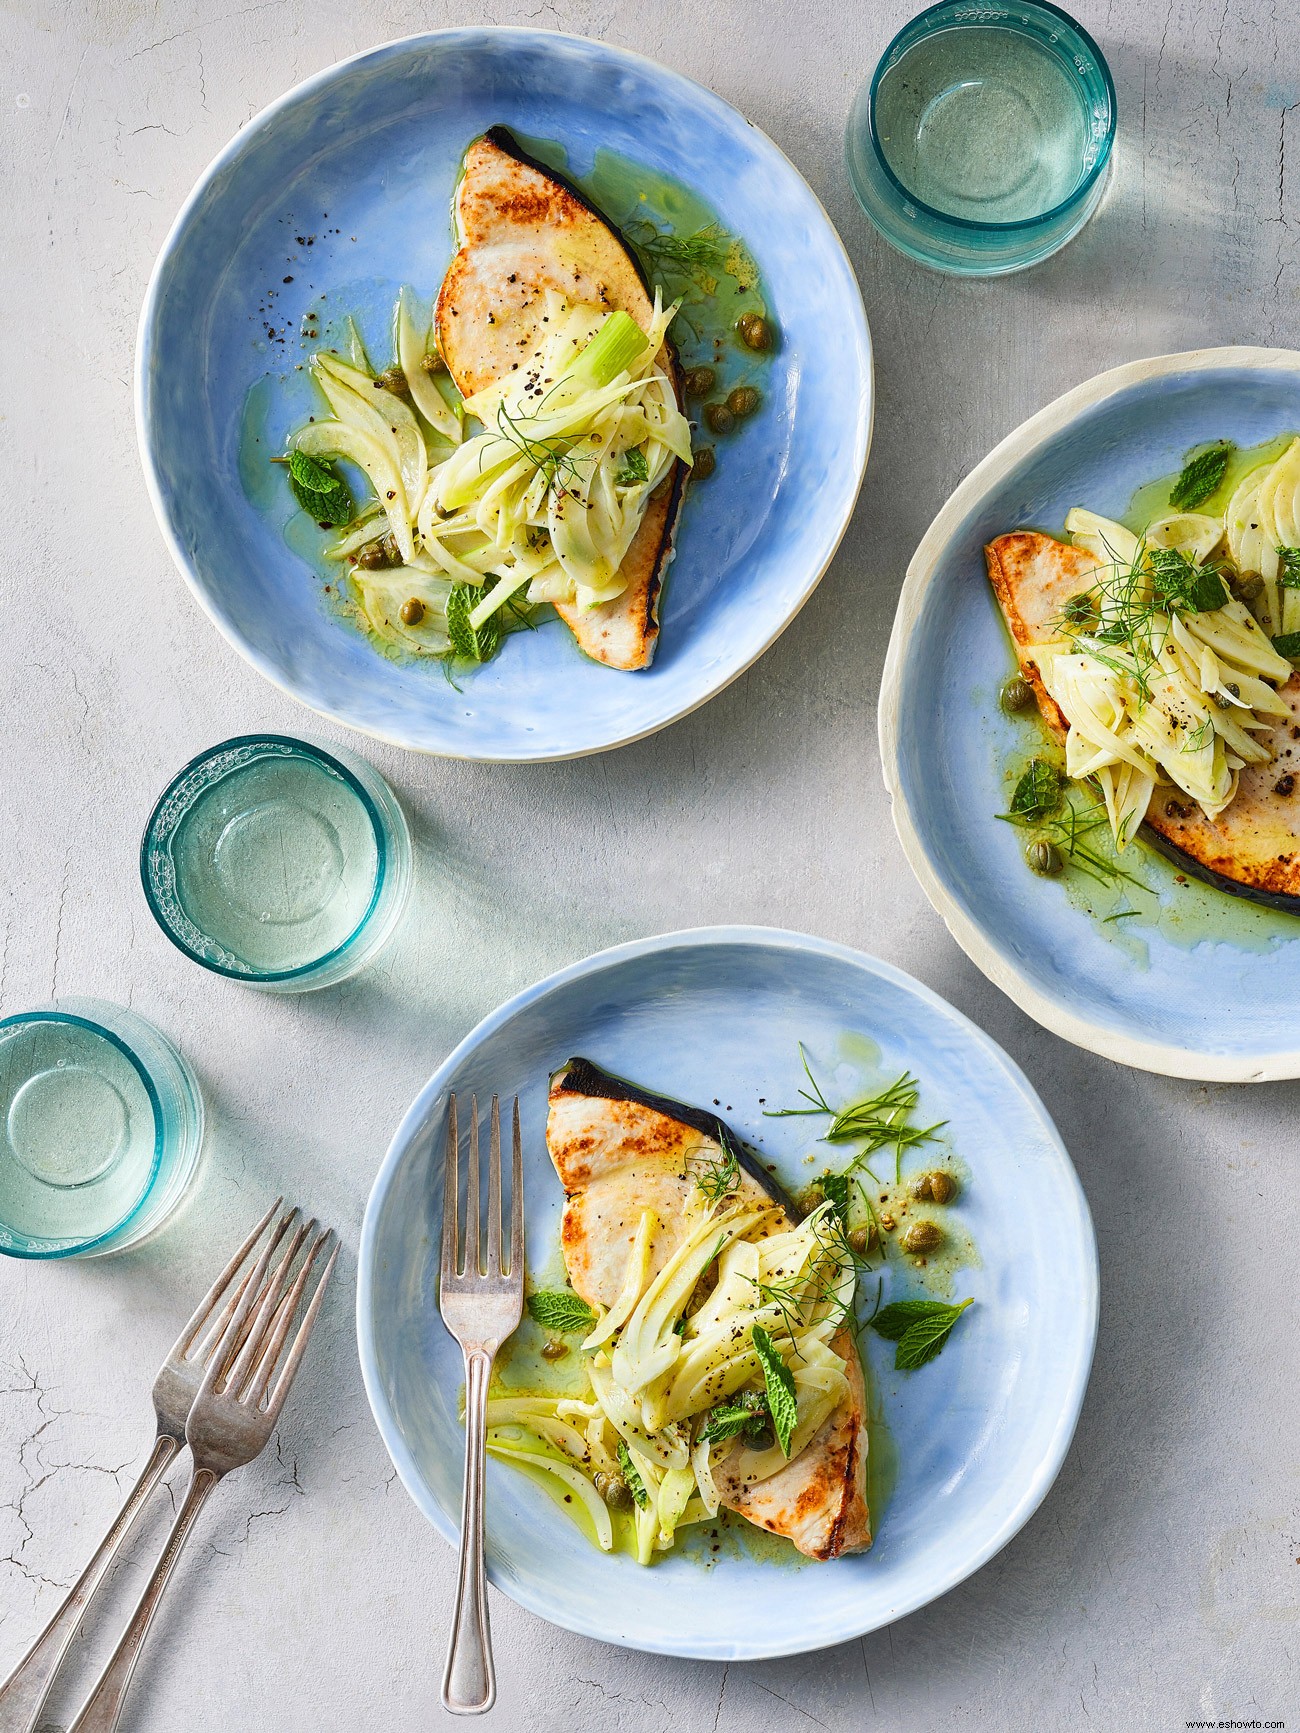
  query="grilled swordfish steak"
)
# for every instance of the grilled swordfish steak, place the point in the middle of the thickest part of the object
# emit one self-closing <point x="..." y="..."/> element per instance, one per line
<point x="1252" y="849"/>
<point x="522" y="229"/>
<point x="618" y="1150"/>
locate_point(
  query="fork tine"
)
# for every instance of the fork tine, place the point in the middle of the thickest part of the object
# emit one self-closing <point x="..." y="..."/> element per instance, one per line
<point x="212" y="1334"/>
<point x="492" y="1258"/>
<point x="284" y="1316"/>
<point x="470" y="1246"/>
<point x="517" y="1201"/>
<point x="450" y="1195"/>
<point x="277" y="1283"/>
<point x="289" y="1370"/>
<point x="220" y="1356"/>
<point x="206" y="1305"/>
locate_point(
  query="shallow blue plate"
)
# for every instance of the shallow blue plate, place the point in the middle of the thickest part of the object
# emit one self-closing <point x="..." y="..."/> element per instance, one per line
<point x="980" y="1433"/>
<point x="1212" y="989"/>
<point x="344" y="186"/>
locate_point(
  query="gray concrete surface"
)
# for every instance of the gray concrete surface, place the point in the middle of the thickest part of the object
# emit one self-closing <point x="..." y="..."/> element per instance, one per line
<point x="1158" y="1583"/>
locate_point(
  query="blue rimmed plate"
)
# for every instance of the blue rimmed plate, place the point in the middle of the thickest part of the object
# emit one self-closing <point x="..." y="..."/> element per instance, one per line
<point x="979" y="1434"/>
<point x="343" y="187"/>
<point x="1197" y="983"/>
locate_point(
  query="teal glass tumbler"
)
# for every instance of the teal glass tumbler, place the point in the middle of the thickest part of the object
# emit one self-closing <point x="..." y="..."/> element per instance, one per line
<point x="101" y="1125"/>
<point x="279" y="862"/>
<point x="981" y="144"/>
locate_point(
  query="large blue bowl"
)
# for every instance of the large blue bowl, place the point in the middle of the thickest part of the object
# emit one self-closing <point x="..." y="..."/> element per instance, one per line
<point x="717" y="1015"/>
<point x="376" y="143"/>
<point x="1217" y="998"/>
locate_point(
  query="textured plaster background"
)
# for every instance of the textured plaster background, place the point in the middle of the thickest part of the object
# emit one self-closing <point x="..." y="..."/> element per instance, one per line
<point x="1159" y="1580"/>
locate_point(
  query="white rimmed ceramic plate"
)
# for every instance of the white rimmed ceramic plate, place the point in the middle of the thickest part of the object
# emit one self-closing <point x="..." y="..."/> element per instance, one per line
<point x="980" y="1433"/>
<point x="1197" y="983"/>
<point x="342" y="189"/>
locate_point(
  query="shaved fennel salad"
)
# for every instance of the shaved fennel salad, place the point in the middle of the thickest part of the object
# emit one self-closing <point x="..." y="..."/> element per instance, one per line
<point x="677" y="1379"/>
<point x="486" y="508"/>
<point x="1168" y="667"/>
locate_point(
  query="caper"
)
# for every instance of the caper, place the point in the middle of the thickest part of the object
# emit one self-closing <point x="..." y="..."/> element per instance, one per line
<point x="939" y="1187"/>
<point x="761" y="1438"/>
<point x="412" y="612"/>
<point x="755" y="332"/>
<point x="812" y="1197"/>
<point x="922" y="1237"/>
<point x="615" y="1491"/>
<point x="744" y="400"/>
<point x="860" y="1239"/>
<point x="377" y="556"/>
<point x="703" y="463"/>
<point x="394" y="380"/>
<point x="1251" y="587"/>
<point x="550" y="1350"/>
<point x="719" y="418"/>
<point x="1016" y="694"/>
<point x="1044" y="857"/>
<point x="1080" y="610"/>
<point x="699" y="381"/>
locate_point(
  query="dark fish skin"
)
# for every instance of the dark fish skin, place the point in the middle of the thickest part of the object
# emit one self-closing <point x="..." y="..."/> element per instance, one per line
<point x="585" y="1077"/>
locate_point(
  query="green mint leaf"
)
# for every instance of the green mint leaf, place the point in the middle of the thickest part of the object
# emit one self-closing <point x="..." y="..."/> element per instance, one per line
<point x="926" y="1337"/>
<point x="632" y="1475"/>
<point x="634" y="468"/>
<point x="1288" y="560"/>
<point x="895" y="1320"/>
<point x="1195" y="589"/>
<point x="746" y="1412"/>
<point x="1288" y="645"/>
<point x="560" y="1310"/>
<point x="781" y="1401"/>
<point x="835" y="1189"/>
<point x="468" y="644"/>
<point x="321" y="493"/>
<point x="309" y="473"/>
<point x="1200" y="476"/>
<point x="1038" y="792"/>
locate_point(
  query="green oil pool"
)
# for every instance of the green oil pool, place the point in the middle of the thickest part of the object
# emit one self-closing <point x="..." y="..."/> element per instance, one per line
<point x="1152" y="500"/>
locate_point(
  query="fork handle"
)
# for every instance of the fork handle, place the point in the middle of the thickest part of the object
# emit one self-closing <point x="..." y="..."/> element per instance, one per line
<point x="469" y="1685"/>
<point x="23" y="1694"/>
<point x="100" y="1712"/>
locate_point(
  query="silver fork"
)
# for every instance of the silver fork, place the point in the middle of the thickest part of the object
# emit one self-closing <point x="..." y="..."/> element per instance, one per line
<point x="230" y="1421"/>
<point x="23" y="1694"/>
<point x="481" y="1305"/>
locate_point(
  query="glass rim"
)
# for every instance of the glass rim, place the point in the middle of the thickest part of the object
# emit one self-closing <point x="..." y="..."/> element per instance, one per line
<point x="322" y="755"/>
<point x="1022" y="224"/>
<point x="77" y="1247"/>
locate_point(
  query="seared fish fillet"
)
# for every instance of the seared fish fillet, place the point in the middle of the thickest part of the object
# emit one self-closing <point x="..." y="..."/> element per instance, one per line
<point x="619" y="1150"/>
<point x="522" y="229"/>
<point x="1253" y="848"/>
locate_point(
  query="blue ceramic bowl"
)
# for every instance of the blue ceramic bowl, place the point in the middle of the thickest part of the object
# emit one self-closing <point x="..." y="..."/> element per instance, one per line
<point x="376" y="142"/>
<point x="1210" y="989"/>
<point x="980" y="1433"/>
